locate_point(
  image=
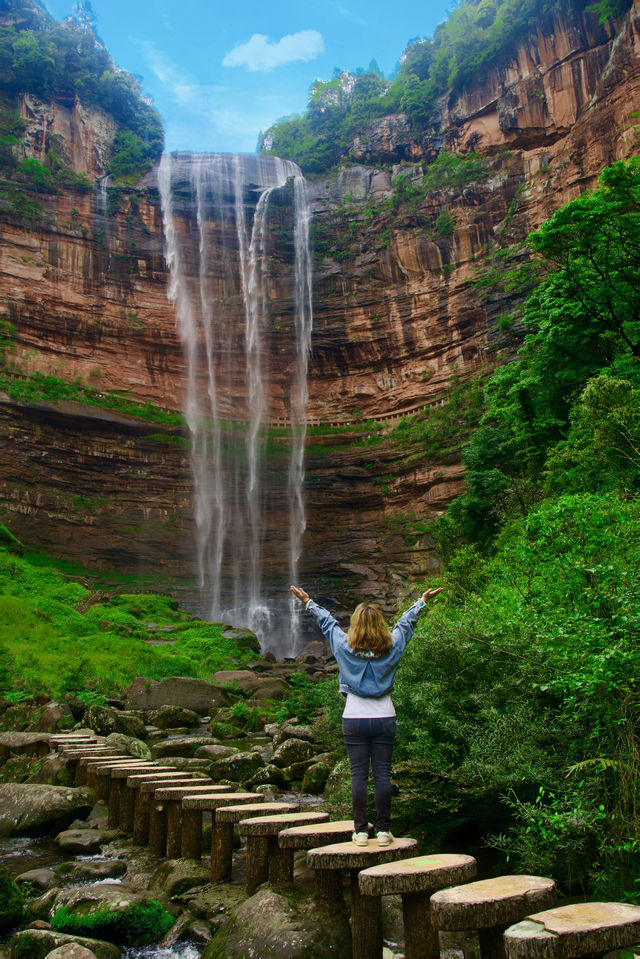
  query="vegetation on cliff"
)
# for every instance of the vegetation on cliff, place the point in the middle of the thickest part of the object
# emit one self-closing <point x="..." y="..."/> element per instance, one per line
<point x="518" y="698"/>
<point x="476" y="36"/>
<point x="59" y="636"/>
<point x="65" y="62"/>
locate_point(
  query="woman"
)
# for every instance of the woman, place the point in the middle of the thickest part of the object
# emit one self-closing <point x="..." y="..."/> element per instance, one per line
<point x="368" y="656"/>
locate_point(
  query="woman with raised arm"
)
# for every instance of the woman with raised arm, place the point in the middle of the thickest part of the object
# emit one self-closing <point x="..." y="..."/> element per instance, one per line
<point x="368" y="656"/>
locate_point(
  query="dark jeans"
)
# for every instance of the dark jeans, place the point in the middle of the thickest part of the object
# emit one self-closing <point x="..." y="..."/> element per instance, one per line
<point x="370" y="740"/>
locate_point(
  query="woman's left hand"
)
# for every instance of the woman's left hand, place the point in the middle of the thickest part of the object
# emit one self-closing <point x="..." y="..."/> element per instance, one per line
<point x="300" y="594"/>
<point x="430" y="593"/>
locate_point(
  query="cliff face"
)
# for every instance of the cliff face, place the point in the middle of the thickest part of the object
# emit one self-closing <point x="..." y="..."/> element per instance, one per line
<point x="394" y="319"/>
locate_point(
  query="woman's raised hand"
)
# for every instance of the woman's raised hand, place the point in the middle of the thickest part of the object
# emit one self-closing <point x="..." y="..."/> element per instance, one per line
<point x="300" y="594"/>
<point x="429" y="593"/>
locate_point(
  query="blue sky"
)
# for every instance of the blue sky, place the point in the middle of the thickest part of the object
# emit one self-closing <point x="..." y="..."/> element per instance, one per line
<point x="219" y="72"/>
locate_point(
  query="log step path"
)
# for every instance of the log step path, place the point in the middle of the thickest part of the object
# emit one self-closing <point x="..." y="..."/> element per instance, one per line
<point x="515" y="916"/>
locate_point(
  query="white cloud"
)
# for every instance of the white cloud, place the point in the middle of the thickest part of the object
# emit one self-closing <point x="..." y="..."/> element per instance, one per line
<point x="261" y="53"/>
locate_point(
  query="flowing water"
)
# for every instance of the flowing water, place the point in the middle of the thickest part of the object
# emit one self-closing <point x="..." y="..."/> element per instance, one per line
<point x="216" y="222"/>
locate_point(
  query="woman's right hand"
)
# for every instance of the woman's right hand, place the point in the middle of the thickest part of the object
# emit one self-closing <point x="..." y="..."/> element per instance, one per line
<point x="430" y="593"/>
<point x="300" y="594"/>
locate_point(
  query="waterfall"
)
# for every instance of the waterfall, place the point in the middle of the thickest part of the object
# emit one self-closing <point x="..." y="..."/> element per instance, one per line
<point x="215" y="214"/>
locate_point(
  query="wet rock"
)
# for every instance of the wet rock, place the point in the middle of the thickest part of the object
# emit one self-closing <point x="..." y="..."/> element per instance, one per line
<point x="196" y="694"/>
<point x="236" y="768"/>
<point x="105" y="720"/>
<point x="31" y="807"/>
<point x="282" y="927"/>
<point x="315" y="778"/>
<point x="184" y="746"/>
<point x="116" y="902"/>
<point x="40" y="908"/>
<point x="39" y="943"/>
<point x="171" y="717"/>
<point x="81" y="841"/>
<point x="293" y="751"/>
<point x="177" y="876"/>
<point x="200" y="931"/>
<point x="98" y="816"/>
<point x="130" y="745"/>
<point x="91" y="871"/>
<point x="36" y="880"/>
<point x="11" y="901"/>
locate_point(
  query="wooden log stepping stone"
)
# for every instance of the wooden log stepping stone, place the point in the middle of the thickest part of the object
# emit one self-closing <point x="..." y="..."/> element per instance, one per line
<point x="117" y="776"/>
<point x="415" y="880"/>
<point x="308" y="837"/>
<point x="77" y="753"/>
<point x="134" y="812"/>
<point x="490" y="905"/>
<point x="366" y="912"/>
<point x="86" y="776"/>
<point x="571" y="932"/>
<point x="97" y="767"/>
<point x="143" y="788"/>
<point x="194" y="806"/>
<point x="266" y="859"/>
<point x="57" y="742"/>
<point x="222" y="832"/>
<point x="165" y="818"/>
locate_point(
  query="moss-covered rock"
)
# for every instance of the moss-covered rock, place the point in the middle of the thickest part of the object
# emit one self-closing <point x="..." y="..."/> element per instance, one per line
<point x="11" y="901"/>
<point x="315" y="778"/>
<point x="173" y="717"/>
<point x="39" y="943"/>
<point x="10" y="542"/>
<point x="117" y="914"/>
<point x="130" y="745"/>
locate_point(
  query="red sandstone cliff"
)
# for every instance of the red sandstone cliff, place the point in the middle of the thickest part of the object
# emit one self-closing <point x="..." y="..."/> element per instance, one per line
<point x="394" y="317"/>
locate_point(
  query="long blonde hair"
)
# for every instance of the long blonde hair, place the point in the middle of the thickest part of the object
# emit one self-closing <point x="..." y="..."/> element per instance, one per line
<point x="368" y="631"/>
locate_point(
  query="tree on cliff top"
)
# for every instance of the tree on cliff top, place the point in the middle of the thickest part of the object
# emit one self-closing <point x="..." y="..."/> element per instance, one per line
<point x="65" y="61"/>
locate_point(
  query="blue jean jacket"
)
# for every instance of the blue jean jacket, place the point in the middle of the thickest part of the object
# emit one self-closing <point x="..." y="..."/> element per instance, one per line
<point x="363" y="675"/>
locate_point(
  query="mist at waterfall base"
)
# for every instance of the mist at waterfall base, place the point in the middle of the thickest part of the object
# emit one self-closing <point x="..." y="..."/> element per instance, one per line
<point x="242" y="352"/>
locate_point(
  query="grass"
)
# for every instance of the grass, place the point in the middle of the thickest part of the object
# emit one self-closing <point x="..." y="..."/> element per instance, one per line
<point x="56" y="636"/>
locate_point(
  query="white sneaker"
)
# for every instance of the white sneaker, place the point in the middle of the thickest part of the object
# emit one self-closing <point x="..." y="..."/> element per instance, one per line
<point x="384" y="838"/>
<point x="360" y="838"/>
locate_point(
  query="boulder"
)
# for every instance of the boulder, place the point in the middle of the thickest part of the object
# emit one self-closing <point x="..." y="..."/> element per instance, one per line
<point x="293" y="751"/>
<point x="269" y="924"/>
<point x="80" y="841"/>
<point x="181" y="746"/>
<point x="105" y="720"/>
<point x="244" y="638"/>
<point x="40" y="908"/>
<point x="92" y="871"/>
<point x="236" y="768"/>
<point x="271" y="687"/>
<point x="28" y="744"/>
<point x="291" y="731"/>
<point x="129" y="745"/>
<point x="122" y="910"/>
<point x="177" y="876"/>
<point x="34" y="807"/>
<point x="183" y="764"/>
<point x="39" y="943"/>
<point x="54" y="716"/>
<point x="11" y="901"/>
<point x="268" y="775"/>
<point x="20" y="715"/>
<point x="171" y="717"/>
<point x="196" y="694"/>
<point x="243" y="680"/>
<point x="315" y="777"/>
<point x="54" y="770"/>
<point x="36" y="880"/>
<point x="215" y="751"/>
<point x="72" y="950"/>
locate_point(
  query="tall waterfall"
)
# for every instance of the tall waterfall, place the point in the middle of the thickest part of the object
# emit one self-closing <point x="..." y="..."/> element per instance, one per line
<point x="216" y="224"/>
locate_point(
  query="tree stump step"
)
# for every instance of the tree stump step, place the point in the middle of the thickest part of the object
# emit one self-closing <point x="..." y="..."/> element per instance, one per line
<point x="570" y="932"/>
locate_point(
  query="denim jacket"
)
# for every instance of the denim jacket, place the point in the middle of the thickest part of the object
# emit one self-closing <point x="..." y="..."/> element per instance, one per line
<point x="368" y="676"/>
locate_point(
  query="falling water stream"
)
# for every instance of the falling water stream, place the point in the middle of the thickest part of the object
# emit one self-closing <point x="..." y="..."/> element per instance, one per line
<point x="216" y="223"/>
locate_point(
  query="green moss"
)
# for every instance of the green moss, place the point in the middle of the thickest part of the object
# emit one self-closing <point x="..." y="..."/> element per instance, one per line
<point x="11" y="901"/>
<point x="137" y="924"/>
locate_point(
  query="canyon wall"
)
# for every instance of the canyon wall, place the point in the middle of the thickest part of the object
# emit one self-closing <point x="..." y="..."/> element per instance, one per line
<point x="396" y="321"/>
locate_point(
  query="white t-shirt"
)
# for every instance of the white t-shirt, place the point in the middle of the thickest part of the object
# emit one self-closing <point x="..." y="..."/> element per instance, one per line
<point x="368" y="707"/>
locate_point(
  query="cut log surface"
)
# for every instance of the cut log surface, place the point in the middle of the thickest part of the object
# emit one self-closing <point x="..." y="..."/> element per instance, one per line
<point x="104" y="767"/>
<point x="214" y="801"/>
<point x="150" y="785"/>
<point x="87" y="758"/>
<point x="420" y="874"/>
<point x="138" y="779"/>
<point x="123" y="772"/>
<point x="581" y="929"/>
<point x="272" y="825"/>
<point x="307" y="837"/>
<point x="77" y="752"/>
<point x="346" y="855"/>
<point x="174" y="793"/>
<point x="233" y="814"/>
<point x="491" y="902"/>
